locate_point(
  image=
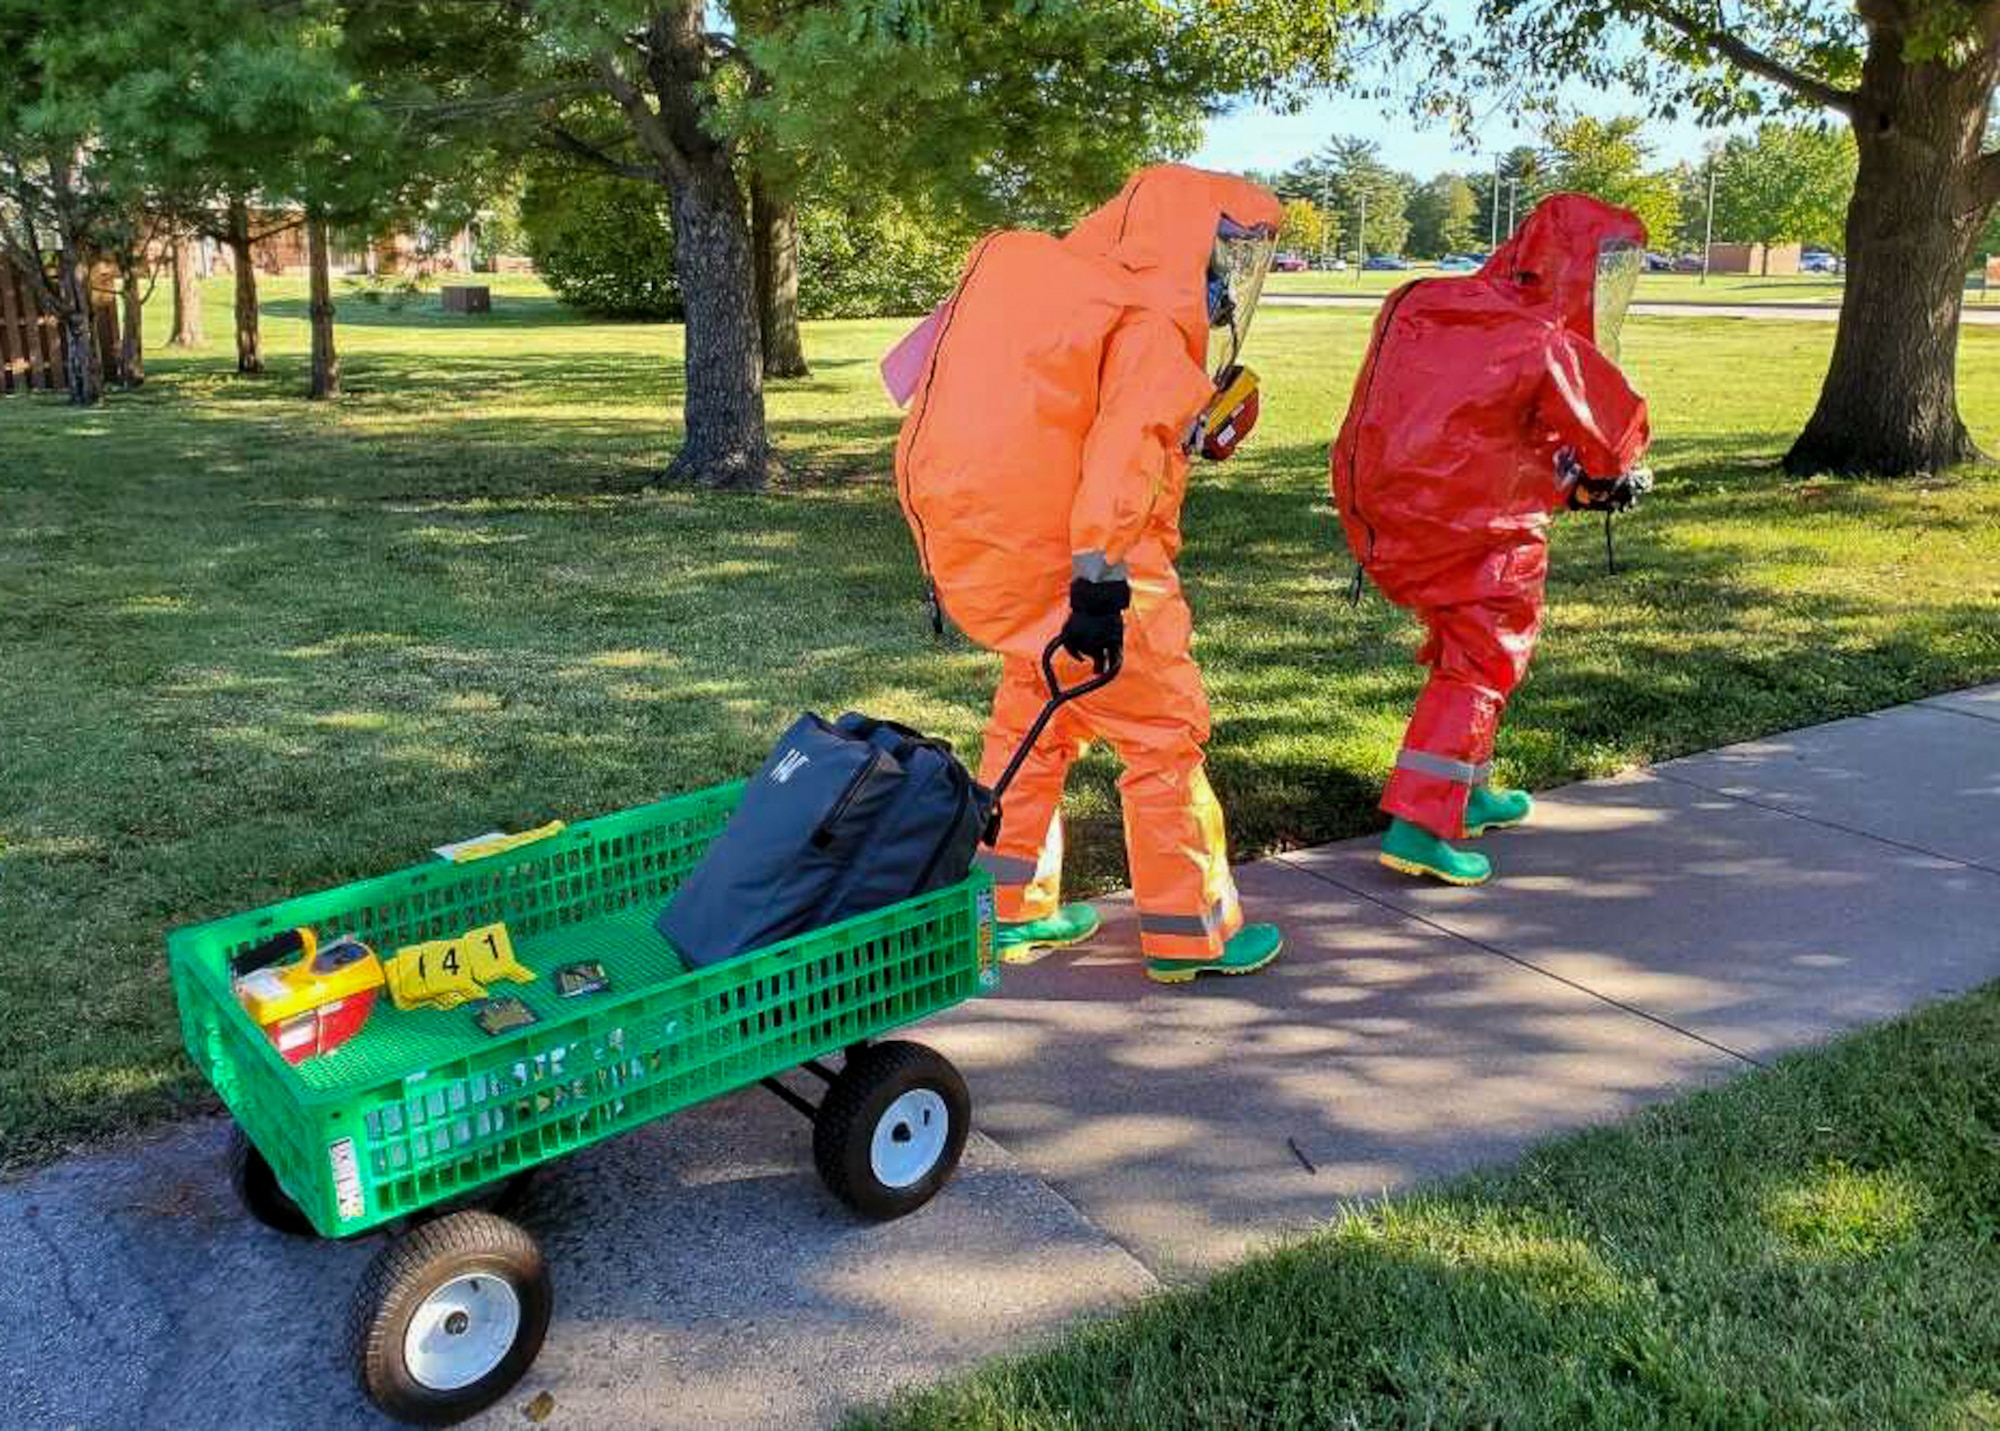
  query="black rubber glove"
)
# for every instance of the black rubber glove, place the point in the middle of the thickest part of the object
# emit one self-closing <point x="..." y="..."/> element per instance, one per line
<point x="1619" y="494"/>
<point x="1095" y="630"/>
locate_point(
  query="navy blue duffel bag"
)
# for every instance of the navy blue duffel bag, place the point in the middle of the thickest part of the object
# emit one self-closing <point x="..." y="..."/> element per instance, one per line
<point x="842" y="818"/>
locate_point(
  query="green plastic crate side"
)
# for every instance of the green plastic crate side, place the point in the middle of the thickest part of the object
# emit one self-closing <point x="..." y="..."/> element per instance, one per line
<point x="552" y="1088"/>
<point x="667" y="1048"/>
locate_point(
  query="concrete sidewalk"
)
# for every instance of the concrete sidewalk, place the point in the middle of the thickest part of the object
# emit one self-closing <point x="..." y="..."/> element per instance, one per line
<point x="1646" y="934"/>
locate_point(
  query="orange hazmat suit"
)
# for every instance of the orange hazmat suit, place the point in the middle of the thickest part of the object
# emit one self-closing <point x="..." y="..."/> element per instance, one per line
<point x="1045" y="443"/>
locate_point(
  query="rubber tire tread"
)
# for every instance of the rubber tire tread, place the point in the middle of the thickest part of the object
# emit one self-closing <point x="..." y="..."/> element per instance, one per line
<point x="412" y="1266"/>
<point x="256" y="1187"/>
<point x="845" y="1126"/>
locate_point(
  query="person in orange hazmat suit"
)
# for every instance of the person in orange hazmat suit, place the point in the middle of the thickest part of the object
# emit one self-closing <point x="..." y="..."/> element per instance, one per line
<point x="1486" y="404"/>
<point x="1041" y="467"/>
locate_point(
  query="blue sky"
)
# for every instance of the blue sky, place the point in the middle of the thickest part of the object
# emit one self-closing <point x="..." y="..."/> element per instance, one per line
<point x="1252" y="137"/>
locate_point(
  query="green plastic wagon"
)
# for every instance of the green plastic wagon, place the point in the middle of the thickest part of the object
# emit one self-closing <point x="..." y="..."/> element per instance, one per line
<point x="422" y="1124"/>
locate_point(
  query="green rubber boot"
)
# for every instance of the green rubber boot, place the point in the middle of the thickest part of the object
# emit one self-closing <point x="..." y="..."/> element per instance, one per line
<point x="1072" y="924"/>
<point x="1491" y="809"/>
<point x="1413" y="851"/>
<point x="1248" y="950"/>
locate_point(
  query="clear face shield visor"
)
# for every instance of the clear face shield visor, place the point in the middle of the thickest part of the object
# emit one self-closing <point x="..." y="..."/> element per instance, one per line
<point x="1619" y="264"/>
<point x="1236" y="268"/>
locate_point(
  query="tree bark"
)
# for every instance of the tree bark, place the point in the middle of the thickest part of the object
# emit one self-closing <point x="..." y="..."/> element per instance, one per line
<point x="132" y="331"/>
<point x="249" y="339"/>
<point x="775" y="235"/>
<point x="187" y="296"/>
<point x="325" y="358"/>
<point x="83" y="364"/>
<point x="726" y="445"/>
<point x="1889" y="404"/>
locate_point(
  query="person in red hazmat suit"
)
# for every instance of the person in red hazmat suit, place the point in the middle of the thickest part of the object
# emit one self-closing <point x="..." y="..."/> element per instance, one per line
<point x="1041" y="468"/>
<point x="1485" y="405"/>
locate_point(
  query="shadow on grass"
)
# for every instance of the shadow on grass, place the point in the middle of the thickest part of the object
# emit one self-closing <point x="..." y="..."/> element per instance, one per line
<point x="426" y="311"/>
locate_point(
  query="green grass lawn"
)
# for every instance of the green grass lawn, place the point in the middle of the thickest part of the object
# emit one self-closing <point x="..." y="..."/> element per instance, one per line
<point x="1817" y="1245"/>
<point x="252" y="646"/>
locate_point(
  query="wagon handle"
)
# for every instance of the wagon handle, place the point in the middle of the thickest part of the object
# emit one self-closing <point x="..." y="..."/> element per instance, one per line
<point x="1059" y="696"/>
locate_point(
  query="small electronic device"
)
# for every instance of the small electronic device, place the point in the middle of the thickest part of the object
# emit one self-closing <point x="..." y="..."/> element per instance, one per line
<point x="504" y="1015"/>
<point x="313" y="1003"/>
<point x="575" y="980"/>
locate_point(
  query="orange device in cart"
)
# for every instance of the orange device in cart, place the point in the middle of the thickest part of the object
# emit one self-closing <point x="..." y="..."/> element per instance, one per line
<point x="315" y="1003"/>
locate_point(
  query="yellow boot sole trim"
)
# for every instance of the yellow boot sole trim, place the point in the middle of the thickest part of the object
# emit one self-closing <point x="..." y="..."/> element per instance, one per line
<point x="1475" y="831"/>
<point x="1411" y="867"/>
<point x="1028" y="951"/>
<point x="1188" y="976"/>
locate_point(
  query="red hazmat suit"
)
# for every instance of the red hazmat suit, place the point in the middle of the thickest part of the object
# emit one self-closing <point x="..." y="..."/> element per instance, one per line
<point x="1445" y="473"/>
<point x="1045" y="443"/>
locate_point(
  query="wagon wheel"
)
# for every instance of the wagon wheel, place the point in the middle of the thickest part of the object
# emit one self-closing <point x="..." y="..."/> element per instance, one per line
<point x="891" y="1129"/>
<point x="256" y="1187"/>
<point x="449" y="1317"/>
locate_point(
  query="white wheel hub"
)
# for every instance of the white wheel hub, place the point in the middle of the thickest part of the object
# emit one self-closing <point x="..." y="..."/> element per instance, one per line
<point x="462" y="1331"/>
<point x="909" y="1138"/>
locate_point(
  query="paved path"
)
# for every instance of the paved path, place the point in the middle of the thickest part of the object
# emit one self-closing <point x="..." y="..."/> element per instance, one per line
<point x="1649" y="933"/>
<point x="1974" y="314"/>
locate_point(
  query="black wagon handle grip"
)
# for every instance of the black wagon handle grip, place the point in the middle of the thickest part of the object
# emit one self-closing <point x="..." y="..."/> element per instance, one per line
<point x="1059" y="696"/>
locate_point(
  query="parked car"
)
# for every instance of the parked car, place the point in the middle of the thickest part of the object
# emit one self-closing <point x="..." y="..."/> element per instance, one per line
<point x="1385" y="262"/>
<point x="1288" y="263"/>
<point x="1457" y="263"/>
<point x="1818" y="260"/>
<point x="1688" y="263"/>
<point x="1659" y="263"/>
<point x="1330" y="265"/>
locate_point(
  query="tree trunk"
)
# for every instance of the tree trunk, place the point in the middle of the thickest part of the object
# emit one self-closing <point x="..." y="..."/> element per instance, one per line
<point x="726" y="445"/>
<point x="1889" y="405"/>
<point x="325" y="360"/>
<point x="775" y="234"/>
<point x="132" y="332"/>
<point x="187" y="296"/>
<point x="83" y="367"/>
<point x="249" y="340"/>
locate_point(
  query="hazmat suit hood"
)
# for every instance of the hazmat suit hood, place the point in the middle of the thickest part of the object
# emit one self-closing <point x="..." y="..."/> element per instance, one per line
<point x="1551" y="262"/>
<point x="1161" y="230"/>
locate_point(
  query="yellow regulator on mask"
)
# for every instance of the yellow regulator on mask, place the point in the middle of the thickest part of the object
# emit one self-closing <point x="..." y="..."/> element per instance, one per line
<point x="1230" y="414"/>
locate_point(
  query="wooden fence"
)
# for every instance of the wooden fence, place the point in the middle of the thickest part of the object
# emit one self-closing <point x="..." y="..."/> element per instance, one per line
<point x="31" y="341"/>
<point x="33" y="347"/>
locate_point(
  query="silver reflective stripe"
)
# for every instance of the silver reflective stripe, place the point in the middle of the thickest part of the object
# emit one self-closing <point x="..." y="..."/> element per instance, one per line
<point x="1095" y="566"/>
<point x="1005" y="869"/>
<point x="1195" y="924"/>
<point x="1424" y="763"/>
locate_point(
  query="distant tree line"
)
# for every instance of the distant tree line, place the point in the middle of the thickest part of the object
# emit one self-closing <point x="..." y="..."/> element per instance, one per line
<point x="1782" y="183"/>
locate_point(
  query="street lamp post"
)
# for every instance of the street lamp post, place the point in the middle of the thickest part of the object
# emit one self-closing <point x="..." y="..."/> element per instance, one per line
<point x="1326" y="227"/>
<point x="1361" y="238"/>
<point x="1494" y="241"/>
<point x="1708" y="238"/>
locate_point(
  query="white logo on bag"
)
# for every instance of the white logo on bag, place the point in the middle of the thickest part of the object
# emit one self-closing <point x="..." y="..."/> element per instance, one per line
<point x="793" y="762"/>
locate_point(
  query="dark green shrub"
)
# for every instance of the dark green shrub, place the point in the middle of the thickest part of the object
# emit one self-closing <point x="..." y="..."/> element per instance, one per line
<point x="604" y="244"/>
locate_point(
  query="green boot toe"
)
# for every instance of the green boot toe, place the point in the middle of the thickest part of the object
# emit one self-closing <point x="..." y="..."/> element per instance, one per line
<point x="1413" y="851"/>
<point x="1072" y="924"/>
<point x="1491" y="809"/>
<point x="1248" y="950"/>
